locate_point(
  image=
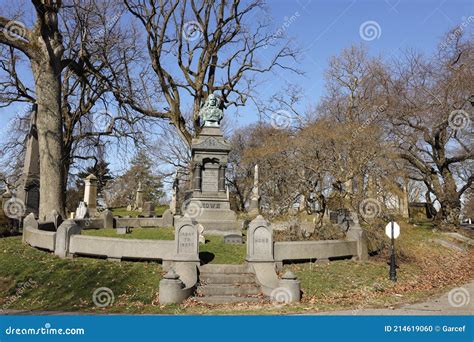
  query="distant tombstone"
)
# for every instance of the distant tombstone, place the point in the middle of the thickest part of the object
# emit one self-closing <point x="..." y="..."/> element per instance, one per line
<point x="55" y="218"/>
<point x="167" y="218"/>
<point x="129" y="207"/>
<point x="148" y="209"/>
<point x="187" y="240"/>
<point x="108" y="217"/>
<point x="29" y="184"/>
<point x="139" y="197"/>
<point x="233" y="239"/>
<point x="259" y="241"/>
<point x="90" y="194"/>
<point x="82" y="211"/>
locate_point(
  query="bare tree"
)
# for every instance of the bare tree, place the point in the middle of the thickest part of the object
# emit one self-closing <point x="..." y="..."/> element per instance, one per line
<point x="430" y="122"/>
<point x="196" y="48"/>
<point x="72" y="58"/>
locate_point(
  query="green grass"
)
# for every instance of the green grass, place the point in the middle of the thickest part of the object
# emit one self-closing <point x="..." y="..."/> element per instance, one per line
<point x="137" y="233"/>
<point x="68" y="285"/>
<point x="215" y="251"/>
<point x="159" y="210"/>
<point x="57" y="284"/>
<point x="220" y="253"/>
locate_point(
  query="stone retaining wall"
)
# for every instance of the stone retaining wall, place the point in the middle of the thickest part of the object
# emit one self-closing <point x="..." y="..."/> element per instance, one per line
<point x="304" y="250"/>
<point x="117" y="248"/>
<point x="39" y="238"/>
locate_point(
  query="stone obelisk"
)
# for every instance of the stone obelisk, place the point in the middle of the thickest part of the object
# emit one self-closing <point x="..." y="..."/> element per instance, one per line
<point x="254" y="207"/>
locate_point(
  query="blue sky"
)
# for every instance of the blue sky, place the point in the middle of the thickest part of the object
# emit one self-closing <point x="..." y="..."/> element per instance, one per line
<point x="323" y="28"/>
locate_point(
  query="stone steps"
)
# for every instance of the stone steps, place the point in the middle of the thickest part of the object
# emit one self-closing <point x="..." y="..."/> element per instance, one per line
<point x="242" y="278"/>
<point x="226" y="299"/>
<point x="224" y="284"/>
<point x="240" y="290"/>
<point x="224" y="269"/>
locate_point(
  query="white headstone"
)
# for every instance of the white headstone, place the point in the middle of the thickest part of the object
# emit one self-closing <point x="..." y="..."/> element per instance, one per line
<point x="82" y="211"/>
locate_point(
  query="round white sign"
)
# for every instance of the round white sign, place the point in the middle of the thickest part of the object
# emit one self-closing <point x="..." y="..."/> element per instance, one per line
<point x="396" y="230"/>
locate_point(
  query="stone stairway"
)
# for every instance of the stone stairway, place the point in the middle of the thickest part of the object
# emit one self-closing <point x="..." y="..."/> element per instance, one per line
<point x="224" y="284"/>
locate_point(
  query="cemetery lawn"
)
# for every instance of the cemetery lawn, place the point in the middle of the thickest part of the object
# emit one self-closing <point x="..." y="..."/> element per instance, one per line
<point x="159" y="210"/>
<point x="215" y="251"/>
<point x="426" y="269"/>
<point x="137" y="233"/>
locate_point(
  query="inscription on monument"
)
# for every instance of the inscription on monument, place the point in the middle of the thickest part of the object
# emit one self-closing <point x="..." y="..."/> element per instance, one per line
<point x="209" y="180"/>
<point x="211" y="205"/>
<point x="262" y="243"/>
<point x="187" y="240"/>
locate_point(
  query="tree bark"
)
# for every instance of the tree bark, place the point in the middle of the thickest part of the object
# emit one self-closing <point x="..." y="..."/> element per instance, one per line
<point x="49" y="122"/>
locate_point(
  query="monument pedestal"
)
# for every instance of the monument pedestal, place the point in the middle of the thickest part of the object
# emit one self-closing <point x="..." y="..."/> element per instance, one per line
<point x="209" y="201"/>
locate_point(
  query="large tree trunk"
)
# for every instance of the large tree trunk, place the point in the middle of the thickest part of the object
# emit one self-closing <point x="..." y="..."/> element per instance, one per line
<point x="448" y="215"/>
<point x="49" y="123"/>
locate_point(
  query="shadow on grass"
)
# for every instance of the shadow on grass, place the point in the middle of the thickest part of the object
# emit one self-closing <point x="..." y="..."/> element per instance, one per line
<point x="206" y="257"/>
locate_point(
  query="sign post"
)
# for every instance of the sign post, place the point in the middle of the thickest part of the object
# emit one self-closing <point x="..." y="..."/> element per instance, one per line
<point x="392" y="230"/>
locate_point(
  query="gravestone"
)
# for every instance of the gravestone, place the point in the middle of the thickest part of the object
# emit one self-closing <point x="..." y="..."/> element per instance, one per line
<point x="108" y="217"/>
<point x="139" y="198"/>
<point x="29" y="182"/>
<point x="259" y="241"/>
<point x="90" y="194"/>
<point x="82" y="211"/>
<point x="148" y="209"/>
<point x="254" y="207"/>
<point x="233" y="239"/>
<point x="55" y="218"/>
<point x="4" y="198"/>
<point x="209" y="159"/>
<point x="186" y="240"/>
<point x="167" y="218"/>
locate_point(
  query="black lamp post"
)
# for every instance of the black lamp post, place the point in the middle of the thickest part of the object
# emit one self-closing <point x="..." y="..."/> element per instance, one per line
<point x="393" y="267"/>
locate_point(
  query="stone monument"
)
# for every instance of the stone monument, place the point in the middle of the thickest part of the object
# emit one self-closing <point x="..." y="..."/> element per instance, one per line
<point x="254" y="206"/>
<point x="29" y="183"/>
<point x="90" y="194"/>
<point x="209" y="161"/>
<point x="139" y="198"/>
